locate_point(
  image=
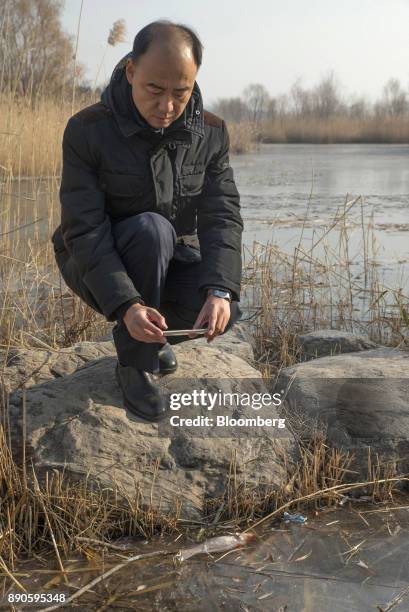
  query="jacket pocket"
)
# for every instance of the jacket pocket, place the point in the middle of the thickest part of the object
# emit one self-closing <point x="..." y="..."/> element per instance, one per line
<point x="122" y="185"/>
<point x="191" y="181"/>
<point x="125" y="194"/>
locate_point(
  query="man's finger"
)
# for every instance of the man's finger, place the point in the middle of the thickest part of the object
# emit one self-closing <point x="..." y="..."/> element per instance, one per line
<point x="223" y="324"/>
<point x="153" y="329"/>
<point x="201" y="318"/>
<point x="197" y="325"/>
<point x="147" y="336"/>
<point x="211" y="325"/>
<point x="154" y="315"/>
<point x="147" y="339"/>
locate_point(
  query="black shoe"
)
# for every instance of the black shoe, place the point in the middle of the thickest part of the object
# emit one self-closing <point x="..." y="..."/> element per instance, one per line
<point x="167" y="360"/>
<point x="141" y="395"/>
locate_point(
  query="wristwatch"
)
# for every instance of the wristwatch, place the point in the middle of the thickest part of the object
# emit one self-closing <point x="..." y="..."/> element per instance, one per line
<point x="221" y="293"/>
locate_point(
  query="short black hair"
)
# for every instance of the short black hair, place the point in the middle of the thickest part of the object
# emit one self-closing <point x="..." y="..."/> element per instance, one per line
<point x="154" y="30"/>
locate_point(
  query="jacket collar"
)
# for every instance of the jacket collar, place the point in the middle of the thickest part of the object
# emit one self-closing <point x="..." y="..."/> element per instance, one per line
<point x="117" y="96"/>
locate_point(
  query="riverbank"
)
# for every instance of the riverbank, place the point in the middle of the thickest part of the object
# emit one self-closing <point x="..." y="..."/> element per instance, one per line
<point x="73" y="524"/>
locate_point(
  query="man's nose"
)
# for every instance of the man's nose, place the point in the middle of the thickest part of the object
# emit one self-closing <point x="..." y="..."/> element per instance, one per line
<point x="166" y="106"/>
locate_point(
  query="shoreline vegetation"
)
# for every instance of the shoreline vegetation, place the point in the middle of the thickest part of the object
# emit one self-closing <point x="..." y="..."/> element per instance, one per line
<point x="245" y="137"/>
<point x="316" y="115"/>
<point x="31" y="133"/>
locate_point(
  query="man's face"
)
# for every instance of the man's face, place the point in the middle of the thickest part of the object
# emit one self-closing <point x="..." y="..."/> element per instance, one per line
<point x="162" y="82"/>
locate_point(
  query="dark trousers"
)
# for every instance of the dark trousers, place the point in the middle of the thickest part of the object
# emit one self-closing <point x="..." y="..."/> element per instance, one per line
<point x="145" y="243"/>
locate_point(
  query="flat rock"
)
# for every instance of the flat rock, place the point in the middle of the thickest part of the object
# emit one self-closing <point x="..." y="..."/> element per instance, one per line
<point x="34" y="366"/>
<point x="332" y="342"/>
<point x="360" y="399"/>
<point x="75" y="419"/>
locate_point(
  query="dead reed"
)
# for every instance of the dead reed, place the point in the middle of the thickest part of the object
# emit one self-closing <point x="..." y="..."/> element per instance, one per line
<point x="31" y="131"/>
<point x="30" y="136"/>
<point x="243" y="137"/>
<point x="301" y="130"/>
<point x="38" y="515"/>
<point x="338" y="129"/>
<point x="321" y="287"/>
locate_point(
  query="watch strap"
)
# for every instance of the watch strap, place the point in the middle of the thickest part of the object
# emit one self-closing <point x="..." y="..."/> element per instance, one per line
<point x="222" y="293"/>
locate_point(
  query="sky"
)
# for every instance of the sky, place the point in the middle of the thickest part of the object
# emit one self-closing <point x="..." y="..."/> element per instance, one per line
<point x="273" y="42"/>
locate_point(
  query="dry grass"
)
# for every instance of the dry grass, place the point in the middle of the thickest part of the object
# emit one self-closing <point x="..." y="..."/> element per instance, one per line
<point x="287" y="129"/>
<point x="52" y="513"/>
<point x="336" y="130"/>
<point x="320" y="477"/>
<point x="317" y="468"/>
<point x="30" y="137"/>
<point x="36" y="309"/>
<point x="317" y="288"/>
<point x="30" y="133"/>
<point x="243" y="137"/>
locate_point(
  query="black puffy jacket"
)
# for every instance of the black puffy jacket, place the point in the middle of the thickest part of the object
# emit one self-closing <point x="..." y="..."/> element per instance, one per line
<point x="115" y="165"/>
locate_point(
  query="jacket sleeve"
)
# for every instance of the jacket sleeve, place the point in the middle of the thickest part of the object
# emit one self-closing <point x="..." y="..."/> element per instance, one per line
<point x="86" y="228"/>
<point x="220" y="225"/>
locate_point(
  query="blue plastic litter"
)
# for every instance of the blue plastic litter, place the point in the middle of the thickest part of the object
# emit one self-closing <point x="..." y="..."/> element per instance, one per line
<point x="294" y="518"/>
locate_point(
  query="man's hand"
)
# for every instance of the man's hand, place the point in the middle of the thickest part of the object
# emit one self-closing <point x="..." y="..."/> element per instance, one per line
<point x="216" y="313"/>
<point x="138" y="320"/>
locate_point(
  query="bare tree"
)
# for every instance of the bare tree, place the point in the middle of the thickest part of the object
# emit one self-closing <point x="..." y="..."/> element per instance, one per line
<point x="321" y="102"/>
<point x="256" y="98"/>
<point x="358" y="108"/>
<point x="272" y="109"/>
<point x="326" y="97"/>
<point x="231" y="109"/>
<point x="301" y="100"/>
<point x="36" y="55"/>
<point x="282" y="105"/>
<point x="395" y="99"/>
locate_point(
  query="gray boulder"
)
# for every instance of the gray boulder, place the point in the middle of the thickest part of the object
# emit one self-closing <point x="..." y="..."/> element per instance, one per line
<point x="332" y="342"/>
<point x="28" y="367"/>
<point x="75" y="419"/>
<point x="361" y="401"/>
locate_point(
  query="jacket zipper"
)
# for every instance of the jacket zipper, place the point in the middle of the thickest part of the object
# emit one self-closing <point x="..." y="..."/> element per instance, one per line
<point x="172" y="155"/>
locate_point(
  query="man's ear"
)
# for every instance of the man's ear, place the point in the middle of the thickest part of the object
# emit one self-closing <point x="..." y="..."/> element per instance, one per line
<point x="129" y="71"/>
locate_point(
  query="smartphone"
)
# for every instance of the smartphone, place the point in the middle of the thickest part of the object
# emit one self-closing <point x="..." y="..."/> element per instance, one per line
<point x="184" y="332"/>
